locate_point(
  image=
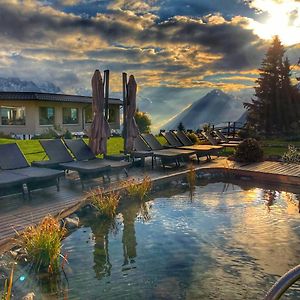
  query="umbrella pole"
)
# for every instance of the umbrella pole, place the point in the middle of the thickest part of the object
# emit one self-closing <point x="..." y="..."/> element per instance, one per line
<point x="106" y="76"/>
<point x="124" y="83"/>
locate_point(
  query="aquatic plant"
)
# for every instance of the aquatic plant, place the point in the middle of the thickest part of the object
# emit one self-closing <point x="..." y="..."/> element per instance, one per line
<point x="42" y="244"/>
<point x="105" y="203"/>
<point x="6" y="294"/>
<point x="292" y="155"/>
<point x="136" y="189"/>
<point x="191" y="176"/>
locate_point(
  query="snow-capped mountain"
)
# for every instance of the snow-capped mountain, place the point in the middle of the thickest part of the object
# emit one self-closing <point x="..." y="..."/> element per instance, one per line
<point x="215" y="107"/>
<point x="18" y="85"/>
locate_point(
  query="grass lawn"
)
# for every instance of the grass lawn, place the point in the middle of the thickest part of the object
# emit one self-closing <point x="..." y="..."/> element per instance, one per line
<point x="34" y="151"/>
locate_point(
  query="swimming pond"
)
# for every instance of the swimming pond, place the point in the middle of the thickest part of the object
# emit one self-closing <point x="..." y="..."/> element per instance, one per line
<point x="227" y="241"/>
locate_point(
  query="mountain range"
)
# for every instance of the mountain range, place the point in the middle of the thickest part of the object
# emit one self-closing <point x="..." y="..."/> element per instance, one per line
<point x="14" y="84"/>
<point x="215" y="107"/>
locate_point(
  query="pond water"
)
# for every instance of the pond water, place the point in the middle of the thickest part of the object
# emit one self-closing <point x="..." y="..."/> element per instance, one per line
<point x="226" y="242"/>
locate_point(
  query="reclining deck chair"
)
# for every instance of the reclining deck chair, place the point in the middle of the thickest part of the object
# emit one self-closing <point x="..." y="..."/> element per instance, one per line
<point x="11" y="183"/>
<point x="185" y="140"/>
<point x="13" y="161"/>
<point x="167" y="157"/>
<point x="215" y="142"/>
<point x="60" y="158"/>
<point x="201" y="150"/>
<point x="224" y="139"/>
<point x="83" y="153"/>
<point x="156" y="145"/>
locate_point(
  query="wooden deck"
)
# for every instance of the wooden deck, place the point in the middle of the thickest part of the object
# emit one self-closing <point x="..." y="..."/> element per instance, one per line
<point x="16" y="214"/>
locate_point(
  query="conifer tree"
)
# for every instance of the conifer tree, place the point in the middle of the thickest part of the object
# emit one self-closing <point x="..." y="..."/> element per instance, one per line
<point x="275" y="105"/>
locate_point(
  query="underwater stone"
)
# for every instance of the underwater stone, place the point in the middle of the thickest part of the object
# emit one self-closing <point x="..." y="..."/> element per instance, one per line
<point x="29" y="296"/>
<point x="71" y="223"/>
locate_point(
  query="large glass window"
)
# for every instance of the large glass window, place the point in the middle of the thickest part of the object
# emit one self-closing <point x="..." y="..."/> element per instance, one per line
<point x="88" y="114"/>
<point x="113" y="113"/>
<point x="47" y="116"/>
<point x="12" y="115"/>
<point x="70" y="115"/>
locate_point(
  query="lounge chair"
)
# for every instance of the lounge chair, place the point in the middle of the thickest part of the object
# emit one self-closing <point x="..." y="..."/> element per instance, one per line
<point x="224" y="139"/>
<point x="82" y="152"/>
<point x="167" y="157"/>
<point x="155" y="145"/>
<point x="13" y="161"/>
<point x="11" y="183"/>
<point x="60" y="158"/>
<point x="201" y="150"/>
<point x="215" y="142"/>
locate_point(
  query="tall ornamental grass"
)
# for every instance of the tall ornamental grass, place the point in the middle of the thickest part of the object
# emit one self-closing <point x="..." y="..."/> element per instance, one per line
<point x="42" y="244"/>
<point x="105" y="203"/>
<point x="136" y="189"/>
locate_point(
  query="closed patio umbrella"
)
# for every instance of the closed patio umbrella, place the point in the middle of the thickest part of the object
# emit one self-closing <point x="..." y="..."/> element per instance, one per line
<point x="100" y="130"/>
<point x="132" y="130"/>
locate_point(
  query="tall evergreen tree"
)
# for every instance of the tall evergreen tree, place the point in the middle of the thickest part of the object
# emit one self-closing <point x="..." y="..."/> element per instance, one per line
<point x="274" y="107"/>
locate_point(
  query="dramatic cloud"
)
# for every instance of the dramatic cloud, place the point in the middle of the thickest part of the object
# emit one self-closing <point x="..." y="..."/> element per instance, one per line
<point x="177" y="49"/>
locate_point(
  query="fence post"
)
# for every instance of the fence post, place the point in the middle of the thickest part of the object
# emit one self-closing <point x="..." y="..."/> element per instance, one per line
<point x="234" y="130"/>
<point x="228" y="129"/>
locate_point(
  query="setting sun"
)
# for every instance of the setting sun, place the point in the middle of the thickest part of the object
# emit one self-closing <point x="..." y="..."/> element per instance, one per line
<point x="283" y="20"/>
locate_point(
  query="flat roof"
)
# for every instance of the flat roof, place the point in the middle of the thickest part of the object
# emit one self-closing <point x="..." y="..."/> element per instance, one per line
<point x="52" y="97"/>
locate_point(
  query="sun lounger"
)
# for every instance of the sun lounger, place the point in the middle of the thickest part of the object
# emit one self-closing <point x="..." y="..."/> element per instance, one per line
<point x="166" y="156"/>
<point x="60" y="158"/>
<point x="215" y="142"/>
<point x="11" y="183"/>
<point x="201" y="150"/>
<point x="156" y="145"/>
<point x="13" y="161"/>
<point x="82" y="152"/>
<point x="224" y="139"/>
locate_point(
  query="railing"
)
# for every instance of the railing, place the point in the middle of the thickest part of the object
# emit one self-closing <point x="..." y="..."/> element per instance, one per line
<point x="283" y="284"/>
<point x="230" y="129"/>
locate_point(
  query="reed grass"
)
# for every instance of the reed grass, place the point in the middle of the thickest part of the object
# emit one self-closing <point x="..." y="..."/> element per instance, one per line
<point x="42" y="244"/>
<point x="7" y="291"/>
<point x="105" y="203"/>
<point x="136" y="189"/>
<point x="191" y="176"/>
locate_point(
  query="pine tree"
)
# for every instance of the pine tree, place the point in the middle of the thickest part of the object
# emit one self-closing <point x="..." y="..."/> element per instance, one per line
<point x="274" y="107"/>
<point x="181" y="127"/>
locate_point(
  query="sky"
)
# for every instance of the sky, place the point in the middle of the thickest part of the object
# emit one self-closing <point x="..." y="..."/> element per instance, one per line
<point x="178" y="50"/>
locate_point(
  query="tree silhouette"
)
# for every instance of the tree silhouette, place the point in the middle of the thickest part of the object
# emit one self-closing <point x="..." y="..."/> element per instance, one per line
<point x="180" y="127"/>
<point x="143" y="121"/>
<point x="275" y="108"/>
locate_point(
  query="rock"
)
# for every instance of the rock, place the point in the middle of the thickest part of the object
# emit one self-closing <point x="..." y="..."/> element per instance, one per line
<point x="71" y="223"/>
<point x="29" y="296"/>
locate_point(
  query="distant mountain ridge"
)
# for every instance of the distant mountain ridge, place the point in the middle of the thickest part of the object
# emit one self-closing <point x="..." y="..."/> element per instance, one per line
<point x="215" y="107"/>
<point x="14" y="84"/>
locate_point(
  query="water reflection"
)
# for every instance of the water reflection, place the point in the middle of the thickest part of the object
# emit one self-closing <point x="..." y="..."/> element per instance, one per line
<point x="101" y="227"/>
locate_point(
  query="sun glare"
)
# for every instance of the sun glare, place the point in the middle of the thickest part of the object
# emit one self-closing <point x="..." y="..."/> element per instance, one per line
<point x="283" y="20"/>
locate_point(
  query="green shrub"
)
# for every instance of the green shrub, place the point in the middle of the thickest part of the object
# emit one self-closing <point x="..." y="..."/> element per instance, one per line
<point x="193" y="137"/>
<point x="68" y="135"/>
<point x="292" y="155"/>
<point x="249" y="150"/>
<point x="42" y="244"/>
<point x="47" y="134"/>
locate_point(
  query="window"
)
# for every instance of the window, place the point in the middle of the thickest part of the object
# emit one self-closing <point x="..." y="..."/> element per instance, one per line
<point x="46" y="116"/>
<point x="88" y="114"/>
<point x="12" y="115"/>
<point x="70" y="115"/>
<point x="113" y="113"/>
